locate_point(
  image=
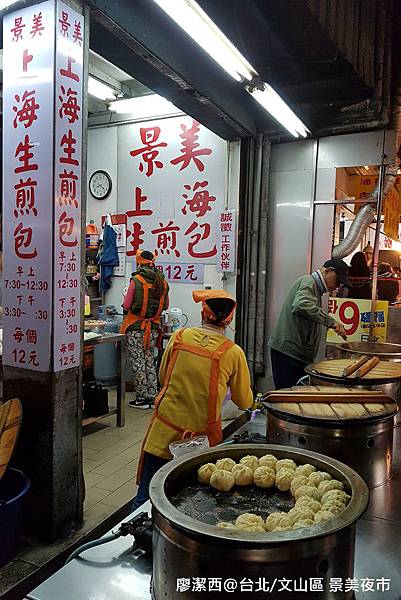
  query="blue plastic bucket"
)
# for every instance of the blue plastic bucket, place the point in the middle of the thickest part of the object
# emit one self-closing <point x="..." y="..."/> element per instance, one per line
<point x="14" y="486"/>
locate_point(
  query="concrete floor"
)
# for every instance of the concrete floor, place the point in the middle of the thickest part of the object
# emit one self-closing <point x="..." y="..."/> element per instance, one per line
<point x="110" y="458"/>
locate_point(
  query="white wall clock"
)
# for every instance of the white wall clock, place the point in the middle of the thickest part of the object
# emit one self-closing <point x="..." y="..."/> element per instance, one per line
<point x="100" y="185"/>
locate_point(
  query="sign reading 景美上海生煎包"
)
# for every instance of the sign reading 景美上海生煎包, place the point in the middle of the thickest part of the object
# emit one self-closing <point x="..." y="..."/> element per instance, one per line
<point x="41" y="206"/>
<point x="172" y="185"/>
<point x="355" y="316"/>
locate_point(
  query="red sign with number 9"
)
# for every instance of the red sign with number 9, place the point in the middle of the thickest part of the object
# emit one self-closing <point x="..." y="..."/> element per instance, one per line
<point x="351" y="319"/>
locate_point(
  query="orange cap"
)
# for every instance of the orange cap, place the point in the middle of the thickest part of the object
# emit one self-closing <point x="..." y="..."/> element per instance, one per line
<point x="145" y="261"/>
<point x="205" y="295"/>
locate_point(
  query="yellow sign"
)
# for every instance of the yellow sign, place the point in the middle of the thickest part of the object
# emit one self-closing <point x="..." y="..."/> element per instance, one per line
<point x="392" y="212"/>
<point x="362" y="187"/>
<point x="354" y="315"/>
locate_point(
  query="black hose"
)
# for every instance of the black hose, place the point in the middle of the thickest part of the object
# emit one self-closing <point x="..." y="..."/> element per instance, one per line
<point x="93" y="544"/>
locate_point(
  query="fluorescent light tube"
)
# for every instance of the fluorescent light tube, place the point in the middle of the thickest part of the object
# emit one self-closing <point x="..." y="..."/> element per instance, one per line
<point x="100" y="90"/>
<point x="196" y="23"/>
<point x="276" y="106"/>
<point x="145" y="107"/>
<point x="6" y="3"/>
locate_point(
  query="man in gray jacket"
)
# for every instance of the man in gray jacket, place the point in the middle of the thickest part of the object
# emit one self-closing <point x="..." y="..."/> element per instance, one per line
<point x="296" y="338"/>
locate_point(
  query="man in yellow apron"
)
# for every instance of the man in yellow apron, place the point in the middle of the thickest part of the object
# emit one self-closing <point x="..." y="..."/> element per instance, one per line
<point x="198" y="366"/>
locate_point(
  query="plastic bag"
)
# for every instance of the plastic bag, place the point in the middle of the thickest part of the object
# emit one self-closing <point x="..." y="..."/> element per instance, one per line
<point x="227" y="396"/>
<point x="195" y="444"/>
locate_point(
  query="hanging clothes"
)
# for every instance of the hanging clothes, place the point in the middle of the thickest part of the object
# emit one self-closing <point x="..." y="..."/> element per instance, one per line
<point x="108" y="257"/>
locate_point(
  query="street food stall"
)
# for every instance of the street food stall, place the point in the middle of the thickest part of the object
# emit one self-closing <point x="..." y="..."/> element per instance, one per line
<point x="190" y="552"/>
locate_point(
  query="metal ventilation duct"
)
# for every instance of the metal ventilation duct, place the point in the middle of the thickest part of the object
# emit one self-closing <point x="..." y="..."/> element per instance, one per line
<point x="367" y="214"/>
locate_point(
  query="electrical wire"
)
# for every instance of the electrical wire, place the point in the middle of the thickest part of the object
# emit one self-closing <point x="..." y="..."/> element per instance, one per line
<point x="93" y="544"/>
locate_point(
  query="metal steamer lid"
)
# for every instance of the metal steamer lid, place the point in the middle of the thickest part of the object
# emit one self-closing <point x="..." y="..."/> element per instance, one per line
<point x="382" y="350"/>
<point x="361" y="382"/>
<point x="325" y="421"/>
<point x="169" y="477"/>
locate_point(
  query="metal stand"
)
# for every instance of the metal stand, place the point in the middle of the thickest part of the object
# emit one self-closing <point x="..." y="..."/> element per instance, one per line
<point x="376" y="248"/>
<point x="119" y="340"/>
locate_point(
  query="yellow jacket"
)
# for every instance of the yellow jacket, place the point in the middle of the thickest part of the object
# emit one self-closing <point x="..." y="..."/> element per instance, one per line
<point x="185" y="401"/>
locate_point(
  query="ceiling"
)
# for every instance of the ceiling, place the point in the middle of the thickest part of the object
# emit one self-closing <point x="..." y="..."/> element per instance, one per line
<point x="331" y="61"/>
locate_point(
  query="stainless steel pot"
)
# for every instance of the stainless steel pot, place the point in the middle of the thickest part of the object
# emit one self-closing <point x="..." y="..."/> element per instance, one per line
<point x="390" y="352"/>
<point x="365" y="445"/>
<point x="186" y="548"/>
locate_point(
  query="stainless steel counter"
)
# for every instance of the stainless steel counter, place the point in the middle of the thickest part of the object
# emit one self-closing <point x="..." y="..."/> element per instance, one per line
<point x="107" y="572"/>
<point x="110" y="573"/>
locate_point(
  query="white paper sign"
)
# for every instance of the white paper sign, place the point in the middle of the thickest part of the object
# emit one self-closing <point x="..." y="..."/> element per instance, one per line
<point x="28" y="62"/>
<point x="171" y="180"/>
<point x="226" y="242"/>
<point x="67" y="186"/>
<point x="121" y="231"/>
<point x="120" y="270"/>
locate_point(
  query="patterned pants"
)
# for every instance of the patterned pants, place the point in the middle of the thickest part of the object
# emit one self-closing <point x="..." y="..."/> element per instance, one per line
<point x="143" y="364"/>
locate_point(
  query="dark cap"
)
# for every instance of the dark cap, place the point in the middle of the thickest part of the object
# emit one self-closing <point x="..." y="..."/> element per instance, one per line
<point x="340" y="268"/>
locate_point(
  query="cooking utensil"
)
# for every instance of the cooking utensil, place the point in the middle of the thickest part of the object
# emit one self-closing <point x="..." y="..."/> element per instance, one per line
<point x="186" y="543"/>
<point x="367" y="367"/>
<point x="355" y="366"/>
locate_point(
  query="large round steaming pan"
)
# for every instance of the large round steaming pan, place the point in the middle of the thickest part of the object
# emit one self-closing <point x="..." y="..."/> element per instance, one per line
<point x="362" y="382"/>
<point x="365" y="445"/>
<point x="390" y="352"/>
<point x="173" y="476"/>
<point x="184" y="547"/>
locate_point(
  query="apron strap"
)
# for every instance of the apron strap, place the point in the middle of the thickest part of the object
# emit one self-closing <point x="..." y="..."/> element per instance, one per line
<point x="215" y="357"/>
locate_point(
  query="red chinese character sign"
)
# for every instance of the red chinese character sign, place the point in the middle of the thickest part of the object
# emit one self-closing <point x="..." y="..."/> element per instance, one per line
<point x="171" y="181"/>
<point x="34" y="50"/>
<point x="27" y="185"/>
<point x="176" y="273"/>
<point x="226" y="242"/>
<point x="67" y="186"/>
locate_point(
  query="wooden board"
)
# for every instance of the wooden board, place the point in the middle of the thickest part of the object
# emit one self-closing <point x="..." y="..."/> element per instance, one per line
<point x="326" y="395"/>
<point x="317" y="410"/>
<point x="335" y="411"/>
<point x="10" y="423"/>
<point x="326" y="391"/>
<point x="335" y="368"/>
<point x="350" y="411"/>
<point x="331" y="403"/>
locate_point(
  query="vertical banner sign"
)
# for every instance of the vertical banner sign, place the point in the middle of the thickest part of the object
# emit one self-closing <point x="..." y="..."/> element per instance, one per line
<point x="392" y="212"/>
<point x="28" y="62"/>
<point x="226" y="242"/>
<point x="67" y="186"/>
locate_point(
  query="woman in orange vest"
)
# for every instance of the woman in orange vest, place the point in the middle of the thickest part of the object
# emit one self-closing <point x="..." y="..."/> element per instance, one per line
<point x="145" y="300"/>
<point x="198" y="366"/>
